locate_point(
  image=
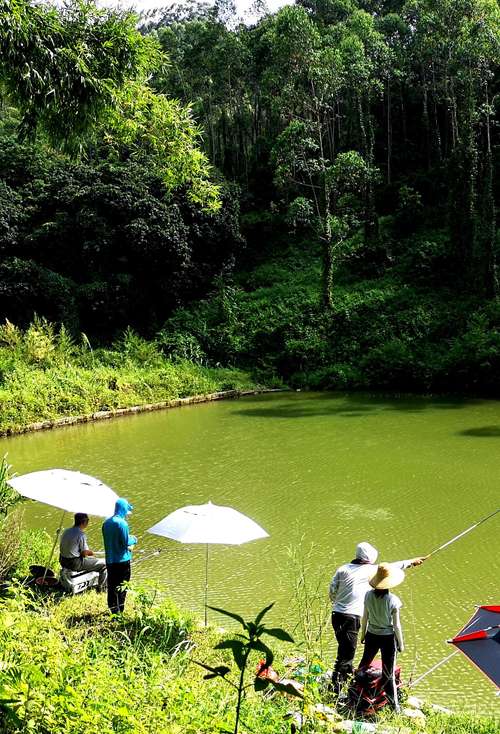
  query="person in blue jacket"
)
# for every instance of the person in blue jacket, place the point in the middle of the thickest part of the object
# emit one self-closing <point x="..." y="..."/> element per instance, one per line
<point x="117" y="542"/>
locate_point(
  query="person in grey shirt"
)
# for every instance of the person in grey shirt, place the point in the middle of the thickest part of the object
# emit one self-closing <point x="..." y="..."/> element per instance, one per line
<point x="75" y="554"/>
<point x="381" y="627"/>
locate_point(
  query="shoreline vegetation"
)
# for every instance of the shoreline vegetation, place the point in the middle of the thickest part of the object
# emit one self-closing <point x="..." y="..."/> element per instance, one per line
<point x="47" y="379"/>
<point x="72" y="420"/>
<point x="50" y="379"/>
<point x="91" y="674"/>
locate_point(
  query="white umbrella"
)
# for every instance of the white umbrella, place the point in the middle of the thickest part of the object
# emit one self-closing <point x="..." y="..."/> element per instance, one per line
<point x="71" y="491"/>
<point x="208" y="524"/>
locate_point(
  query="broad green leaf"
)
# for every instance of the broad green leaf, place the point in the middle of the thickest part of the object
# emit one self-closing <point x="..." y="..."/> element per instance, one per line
<point x="219" y="672"/>
<point x="291" y="687"/>
<point x="277" y="632"/>
<point x="230" y="614"/>
<point x="260" y="684"/>
<point x="236" y="647"/>
<point x="260" y="616"/>
<point x="259" y="645"/>
<point x="204" y="665"/>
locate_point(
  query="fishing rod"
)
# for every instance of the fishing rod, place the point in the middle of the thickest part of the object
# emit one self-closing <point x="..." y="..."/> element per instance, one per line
<point x="451" y="655"/>
<point x="154" y="553"/>
<point x="149" y="553"/>
<point x="413" y="683"/>
<point x="464" y="532"/>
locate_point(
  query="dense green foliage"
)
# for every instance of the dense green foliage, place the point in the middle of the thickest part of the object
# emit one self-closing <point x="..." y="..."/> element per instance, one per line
<point x="64" y="67"/>
<point x="365" y="136"/>
<point x="79" y="78"/>
<point x="383" y="332"/>
<point x="46" y="375"/>
<point x="358" y="247"/>
<point x="101" y="247"/>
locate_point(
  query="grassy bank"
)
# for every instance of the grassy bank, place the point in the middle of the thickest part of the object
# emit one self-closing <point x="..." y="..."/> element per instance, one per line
<point x="45" y="375"/>
<point x="67" y="667"/>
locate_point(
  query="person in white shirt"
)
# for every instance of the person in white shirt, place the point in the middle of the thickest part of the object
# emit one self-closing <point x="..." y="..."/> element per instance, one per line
<point x="347" y="593"/>
<point x="381" y="626"/>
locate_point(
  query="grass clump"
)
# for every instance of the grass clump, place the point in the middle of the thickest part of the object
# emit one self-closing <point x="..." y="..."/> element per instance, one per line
<point x="45" y="375"/>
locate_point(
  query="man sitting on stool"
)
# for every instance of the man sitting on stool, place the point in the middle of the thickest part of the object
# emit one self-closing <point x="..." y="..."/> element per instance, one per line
<point x="75" y="554"/>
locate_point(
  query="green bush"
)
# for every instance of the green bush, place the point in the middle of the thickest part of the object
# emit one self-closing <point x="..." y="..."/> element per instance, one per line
<point x="46" y="375"/>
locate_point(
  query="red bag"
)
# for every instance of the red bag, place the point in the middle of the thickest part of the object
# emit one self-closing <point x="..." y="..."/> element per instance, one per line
<point x="365" y="694"/>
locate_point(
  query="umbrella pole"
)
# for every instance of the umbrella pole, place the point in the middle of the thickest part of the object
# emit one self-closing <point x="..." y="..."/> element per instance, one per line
<point x="206" y="585"/>
<point x="434" y="667"/>
<point x="58" y="532"/>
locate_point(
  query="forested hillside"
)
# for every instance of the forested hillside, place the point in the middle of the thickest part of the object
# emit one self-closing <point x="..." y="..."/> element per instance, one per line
<point x="311" y="196"/>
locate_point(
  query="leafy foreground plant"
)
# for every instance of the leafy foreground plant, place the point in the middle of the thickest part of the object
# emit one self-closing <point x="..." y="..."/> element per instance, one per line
<point x="241" y="646"/>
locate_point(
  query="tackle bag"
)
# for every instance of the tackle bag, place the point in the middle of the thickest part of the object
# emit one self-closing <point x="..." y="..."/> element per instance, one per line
<point x="365" y="694"/>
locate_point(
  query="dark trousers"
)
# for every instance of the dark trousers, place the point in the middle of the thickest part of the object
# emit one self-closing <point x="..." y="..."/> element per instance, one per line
<point x="346" y="628"/>
<point x="72" y="564"/>
<point x="387" y="646"/>
<point x="118" y="573"/>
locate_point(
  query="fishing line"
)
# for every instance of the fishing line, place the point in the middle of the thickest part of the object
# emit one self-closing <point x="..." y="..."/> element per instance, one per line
<point x="434" y="667"/>
<point x="451" y="655"/>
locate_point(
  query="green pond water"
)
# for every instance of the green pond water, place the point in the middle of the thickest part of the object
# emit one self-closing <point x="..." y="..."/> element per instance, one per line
<point x="320" y="472"/>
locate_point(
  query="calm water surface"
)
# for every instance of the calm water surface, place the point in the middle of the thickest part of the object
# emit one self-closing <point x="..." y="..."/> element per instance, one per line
<point x="320" y="471"/>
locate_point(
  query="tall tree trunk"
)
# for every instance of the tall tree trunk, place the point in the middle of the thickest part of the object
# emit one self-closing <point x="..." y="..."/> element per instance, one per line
<point x="462" y="187"/>
<point x="425" y="118"/>
<point x="328" y="260"/>
<point x="403" y="123"/>
<point x="435" y="118"/>
<point x="389" y="130"/>
<point x="486" y="225"/>
<point x="371" y="230"/>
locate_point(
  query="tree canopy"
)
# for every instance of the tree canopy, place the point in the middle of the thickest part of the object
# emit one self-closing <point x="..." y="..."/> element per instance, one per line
<point x="314" y="187"/>
<point x="79" y="77"/>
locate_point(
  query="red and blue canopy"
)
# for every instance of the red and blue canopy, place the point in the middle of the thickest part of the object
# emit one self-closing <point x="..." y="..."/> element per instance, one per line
<point x="479" y="641"/>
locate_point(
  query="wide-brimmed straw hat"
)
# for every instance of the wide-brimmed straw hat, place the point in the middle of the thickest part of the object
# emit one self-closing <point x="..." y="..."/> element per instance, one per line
<point x="387" y="576"/>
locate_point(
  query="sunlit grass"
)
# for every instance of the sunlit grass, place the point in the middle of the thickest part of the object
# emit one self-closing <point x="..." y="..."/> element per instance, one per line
<point x="67" y="665"/>
<point x="44" y="375"/>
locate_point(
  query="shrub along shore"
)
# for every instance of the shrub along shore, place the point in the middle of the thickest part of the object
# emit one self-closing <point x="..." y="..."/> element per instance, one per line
<point x="45" y="376"/>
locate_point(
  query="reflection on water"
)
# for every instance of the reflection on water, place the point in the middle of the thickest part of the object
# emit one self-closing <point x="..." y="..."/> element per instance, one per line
<point x="348" y="512"/>
<point x="405" y="474"/>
